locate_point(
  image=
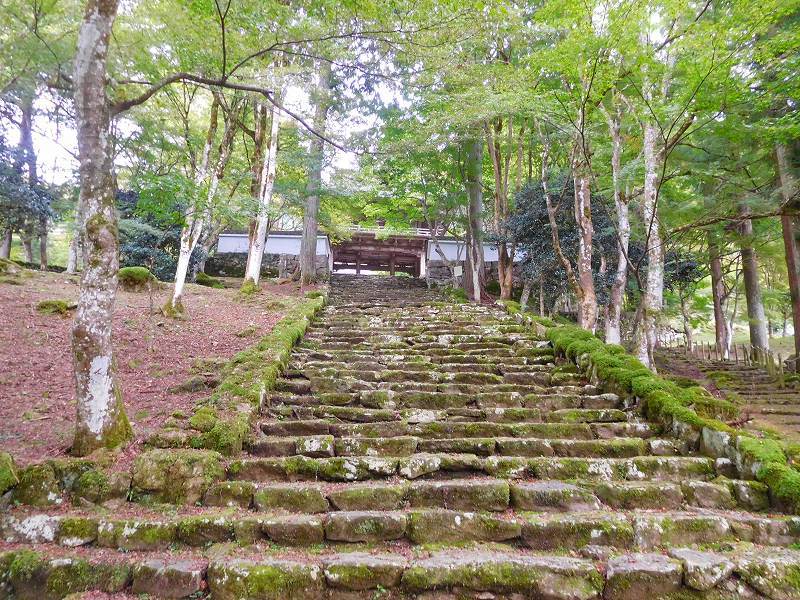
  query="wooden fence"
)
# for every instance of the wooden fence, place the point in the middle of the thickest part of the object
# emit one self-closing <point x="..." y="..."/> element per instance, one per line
<point x="746" y="354"/>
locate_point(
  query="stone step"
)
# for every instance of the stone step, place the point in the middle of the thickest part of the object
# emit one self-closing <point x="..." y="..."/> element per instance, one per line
<point x="356" y="414"/>
<point x="363" y="468"/>
<point x="471" y="572"/>
<point x="489" y="494"/>
<point x="541" y="531"/>
<point x="431" y="398"/>
<point x="320" y="446"/>
<point x="436" y="429"/>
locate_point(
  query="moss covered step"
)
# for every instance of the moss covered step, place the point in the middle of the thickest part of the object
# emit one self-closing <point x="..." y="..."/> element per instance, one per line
<point x="428" y="430"/>
<point x="634" y="529"/>
<point x="320" y="446"/>
<point x="363" y="468"/>
<point x="469" y="572"/>
<point x="641" y="468"/>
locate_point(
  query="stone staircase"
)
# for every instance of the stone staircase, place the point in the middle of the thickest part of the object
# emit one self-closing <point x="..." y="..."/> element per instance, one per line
<point x="761" y="397"/>
<point x="416" y="448"/>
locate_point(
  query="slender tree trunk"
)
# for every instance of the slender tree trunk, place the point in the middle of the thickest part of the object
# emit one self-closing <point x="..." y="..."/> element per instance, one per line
<point x="587" y="301"/>
<point x="687" y="325"/>
<point x="75" y="256"/>
<point x="26" y="237"/>
<point x="101" y="419"/>
<point x="717" y="293"/>
<point x="198" y="215"/>
<point x="43" y="244"/>
<point x="654" y="288"/>
<point x="620" y="278"/>
<point x="308" y="243"/>
<point x="541" y="296"/>
<point x="473" y="181"/>
<point x="791" y="229"/>
<point x="756" y="318"/>
<point x="255" y="252"/>
<point x="5" y="244"/>
<point x="526" y="293"/>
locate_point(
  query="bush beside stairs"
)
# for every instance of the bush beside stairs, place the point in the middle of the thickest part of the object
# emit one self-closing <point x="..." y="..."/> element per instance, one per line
<point x="413" y="447"/>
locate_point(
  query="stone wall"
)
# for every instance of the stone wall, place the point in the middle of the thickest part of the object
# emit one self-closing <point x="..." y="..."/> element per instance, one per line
<point x="439" y="274"/>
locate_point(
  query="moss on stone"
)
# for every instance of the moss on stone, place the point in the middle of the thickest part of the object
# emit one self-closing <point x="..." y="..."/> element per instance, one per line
<point x="55" y="307"/>
<point x="37" y="486"/>
<point x="24" y="565"/>
<point x="93" y="486"/>
<point x="77" y="531"/>
<point x="249" y="288"/>
<point x="208" y="281"/>
<point x="136" y="279"/>
<point x="204" y="418"/>
<point x="8" y="472"/>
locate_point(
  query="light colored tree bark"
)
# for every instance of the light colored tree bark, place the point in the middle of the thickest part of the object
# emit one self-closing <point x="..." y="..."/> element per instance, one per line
<point x="255" y="252"/>
<point x="613" y="325"/>
<point x="653" y="298"/>
<point x="199" y="213"/>
<point x="308" y="243"/>
<point x="101" y="420"/>
<point x="587" y="300"/>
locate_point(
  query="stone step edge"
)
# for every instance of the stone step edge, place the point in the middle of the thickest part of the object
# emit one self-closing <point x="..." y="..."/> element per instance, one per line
<point x="362" y="468"/>
<point x="632" y="575"/>
<point x="629" y="530"/>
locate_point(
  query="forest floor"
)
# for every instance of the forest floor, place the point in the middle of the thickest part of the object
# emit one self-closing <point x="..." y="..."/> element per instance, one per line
<point x="153" y="354"/>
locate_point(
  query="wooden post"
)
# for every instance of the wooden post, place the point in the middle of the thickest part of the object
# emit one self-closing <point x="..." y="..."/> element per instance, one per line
<point x="735" y="354"/>
<point x="358" y="264"/>
<point x="781" y="379"/>
<point x="391" y="265"/>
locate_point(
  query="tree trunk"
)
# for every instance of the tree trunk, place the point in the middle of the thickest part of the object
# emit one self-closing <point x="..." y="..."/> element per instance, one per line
<point x="653" y="298"/>
<point x="308" y="243"/>
<point x="718" y="294"/>
<point x="75" y="256"/>
<point x="198" y="215"/>
<point x="756" y="318"/>
<point x="541" y="296"/>
<point x="687" y="325"/>
<point x="255" y="252"/>
<point x="43" y="244"/>
<point x="101" y="420"/>
<point x="789" y="225"/>
<point x="473" y="181"/>
<point x="5" y="244"/>
<point x="587" y="301"/>
<point x="620" y="278"/>
<point x="26" y="237"/>
<point x="526" y="293"/>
